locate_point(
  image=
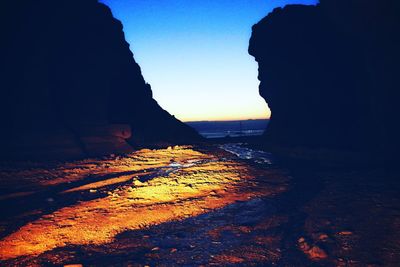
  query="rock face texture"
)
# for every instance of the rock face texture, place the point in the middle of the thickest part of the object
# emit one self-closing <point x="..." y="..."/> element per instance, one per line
<point x="330" y="74"/>
<point x="70" y="85"/>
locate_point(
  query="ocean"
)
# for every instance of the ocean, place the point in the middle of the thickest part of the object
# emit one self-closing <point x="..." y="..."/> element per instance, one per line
<point x="219" y="129"/>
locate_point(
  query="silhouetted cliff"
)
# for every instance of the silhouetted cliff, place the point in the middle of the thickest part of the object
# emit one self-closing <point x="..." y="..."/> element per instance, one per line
<point x="69" y="83"/>
<point x="330" y="74"/>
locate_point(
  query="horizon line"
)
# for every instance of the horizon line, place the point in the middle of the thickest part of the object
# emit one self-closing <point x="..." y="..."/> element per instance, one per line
<point x="222" y="120"/>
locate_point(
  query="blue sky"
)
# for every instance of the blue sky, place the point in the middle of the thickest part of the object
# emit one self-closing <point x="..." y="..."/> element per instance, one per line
<point x="194" y="54"/>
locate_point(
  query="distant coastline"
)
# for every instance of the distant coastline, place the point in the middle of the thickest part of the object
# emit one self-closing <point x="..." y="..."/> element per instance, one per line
<point x="235" y="128"/>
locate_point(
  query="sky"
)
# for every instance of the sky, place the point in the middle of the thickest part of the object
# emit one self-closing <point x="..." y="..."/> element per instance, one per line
<point x="194" y="55"/>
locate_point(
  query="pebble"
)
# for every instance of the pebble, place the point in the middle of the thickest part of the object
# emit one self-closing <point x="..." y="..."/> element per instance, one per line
<point x="316" y="253"/>
<point x="345" y="233"/>
<point x="138" y="183"/>
<point x="323" y="237"/>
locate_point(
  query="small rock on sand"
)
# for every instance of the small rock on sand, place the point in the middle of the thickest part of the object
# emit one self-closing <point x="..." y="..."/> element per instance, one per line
<point x="345" y="233"/>
<point x="323" y="237"/>
<point x="316" y="253"/>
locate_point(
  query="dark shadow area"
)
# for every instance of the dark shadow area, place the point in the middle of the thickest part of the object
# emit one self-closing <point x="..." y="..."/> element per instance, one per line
<point x="330" y="75"/>
<point x="70" y="86"/>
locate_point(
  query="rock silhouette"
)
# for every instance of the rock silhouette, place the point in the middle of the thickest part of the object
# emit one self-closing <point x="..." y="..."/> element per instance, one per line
<point x="330" y="74"/>
<point x="70" y="86"/>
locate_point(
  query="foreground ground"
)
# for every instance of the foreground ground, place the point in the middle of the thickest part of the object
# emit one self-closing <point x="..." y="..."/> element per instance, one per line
<point x="197" y="206"/>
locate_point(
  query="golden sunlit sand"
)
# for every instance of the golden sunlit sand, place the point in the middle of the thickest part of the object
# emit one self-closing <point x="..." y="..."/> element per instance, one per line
<point x="193" y="207"/>
<point x="34" y="174"/>
<point x="186" y="191"/>
<point x="103" y="183"/>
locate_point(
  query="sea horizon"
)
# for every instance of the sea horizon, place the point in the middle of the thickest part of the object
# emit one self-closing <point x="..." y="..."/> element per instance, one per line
<point x="231" y="128"/>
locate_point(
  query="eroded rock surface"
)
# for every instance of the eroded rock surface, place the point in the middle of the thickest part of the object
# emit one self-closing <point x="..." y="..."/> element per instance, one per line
<point x="330" y="74"/>
<point x="70" y="85"/>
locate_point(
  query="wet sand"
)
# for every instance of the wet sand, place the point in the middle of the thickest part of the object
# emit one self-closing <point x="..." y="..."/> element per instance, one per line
<point x="197" y="206"/>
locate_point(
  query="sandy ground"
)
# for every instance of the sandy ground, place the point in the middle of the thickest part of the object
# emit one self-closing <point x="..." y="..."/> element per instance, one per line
<point x="197" y="207"/>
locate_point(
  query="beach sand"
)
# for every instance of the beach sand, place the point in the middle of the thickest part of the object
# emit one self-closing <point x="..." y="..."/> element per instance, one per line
<point x="198" y="205"/>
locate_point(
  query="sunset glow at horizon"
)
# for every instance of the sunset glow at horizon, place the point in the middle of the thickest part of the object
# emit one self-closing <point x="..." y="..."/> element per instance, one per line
<point x="194" y="54"/>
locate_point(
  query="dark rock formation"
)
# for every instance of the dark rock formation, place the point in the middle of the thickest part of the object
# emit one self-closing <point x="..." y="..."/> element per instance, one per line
<point x="330" y="74"/>
<point x="70" y="86"/>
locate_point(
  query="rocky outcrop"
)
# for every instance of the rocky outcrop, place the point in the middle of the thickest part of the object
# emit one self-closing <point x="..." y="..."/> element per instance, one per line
<point x="70" y="85"/>
<point x="330" y="74"/>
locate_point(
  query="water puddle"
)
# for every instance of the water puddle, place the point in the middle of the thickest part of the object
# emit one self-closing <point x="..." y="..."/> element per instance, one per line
<point x="243" y="152"/>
